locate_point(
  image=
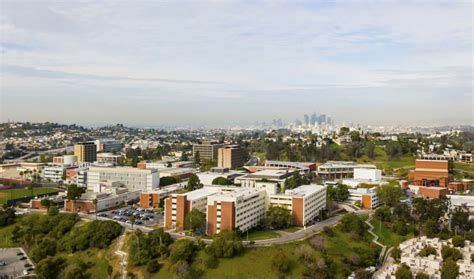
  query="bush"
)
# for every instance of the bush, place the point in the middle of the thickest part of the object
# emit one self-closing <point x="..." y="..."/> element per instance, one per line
<point x="168" y="180"/>
<point x="221" y="181"/>
<point x="403" y="272"/>
<point x="318" y="242"/>
<point x="181" y="250"/>
<point x="304" y="253"/>
<point x="53" y="210"/>
<point x="280" y="263"/>
<point x="351" y="223"/>
<point x="226" y="244"/>
<point x="458" y="241"/>
<point x="396" y="254"/>
<point x="422" y="275"/>
<point x="145" y="247"/>
<point x="328" y="231"/>
<point x="278" y="217"/>
<point x="449" y="270"/>
<point x="98" y="234"/>
<point x="50" y="267"/>
<point x="153" y="266"/>
<point x="451" y="253"/>
<point x="7" y="216"/>
<point x="426" y="251"/>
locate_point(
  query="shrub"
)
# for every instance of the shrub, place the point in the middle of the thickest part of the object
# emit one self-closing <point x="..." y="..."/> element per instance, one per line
<point x="226" y="244"/>
<point x="426" y="251"/>
<point x="450" y="253"/>
<point x="422" y="275"/>
<point x="458" y="241"/>
<point x="280" y="263"/>
<point x="328" y="231"/>
<point x="153" y="266"/>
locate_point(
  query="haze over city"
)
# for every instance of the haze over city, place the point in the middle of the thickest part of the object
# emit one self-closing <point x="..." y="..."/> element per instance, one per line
<point x="198" y="63"/>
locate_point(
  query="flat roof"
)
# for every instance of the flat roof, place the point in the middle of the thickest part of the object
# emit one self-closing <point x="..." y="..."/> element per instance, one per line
<point x="305" y="190"/>
<point x="269" y="173"/>
<point x="201" y="193"/>
<point x="233" y="193"/>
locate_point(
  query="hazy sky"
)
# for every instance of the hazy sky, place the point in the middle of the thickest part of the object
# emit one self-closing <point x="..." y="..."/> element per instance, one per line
<point x="150" y="62"/>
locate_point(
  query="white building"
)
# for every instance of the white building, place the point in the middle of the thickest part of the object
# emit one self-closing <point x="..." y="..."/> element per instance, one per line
<point x="332" y="170"/>
<point x="54" y="173"/>
<point x="367" y="197"/>
<point x="241" y="208"/>
<point x="134" y="179"/>
<point x="249" y="180"/>
<point x="207" y="177"/>
<point x="432" y="264"/>
<point x="305" y="202"/>
<point x="460" y="200"/>
<point x="109" y="158"/>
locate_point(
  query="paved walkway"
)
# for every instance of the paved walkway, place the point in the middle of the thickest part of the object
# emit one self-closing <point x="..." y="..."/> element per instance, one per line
<point x="122" y="254"/>
<point x="376" y="238"/>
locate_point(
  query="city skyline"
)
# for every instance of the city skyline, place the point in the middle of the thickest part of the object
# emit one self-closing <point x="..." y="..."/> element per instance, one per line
<point x="236" y="63"/>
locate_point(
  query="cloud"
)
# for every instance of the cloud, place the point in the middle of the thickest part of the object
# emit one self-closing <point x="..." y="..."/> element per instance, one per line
<point x="241" y="54"/>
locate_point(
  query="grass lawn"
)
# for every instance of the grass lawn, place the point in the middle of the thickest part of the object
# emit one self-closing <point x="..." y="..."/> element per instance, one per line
<point x="256" y="262"/>
<point x="464" y="167"/>
<point x="292" y="229"/>
<point x="5" y="234"/>
<point x="260" y="235"/>
<point x="382" y="161"/>
<point x="20" y="193"/>
<point x="386" y="236"/>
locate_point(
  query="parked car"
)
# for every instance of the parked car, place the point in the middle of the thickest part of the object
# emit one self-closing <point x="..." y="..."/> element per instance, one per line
<point x="27" y="265"/>
<point x="3" y="263"/>
<point x="102" y="215"/>
<point x="23" y="258"/>
<point x="19" y="254"/>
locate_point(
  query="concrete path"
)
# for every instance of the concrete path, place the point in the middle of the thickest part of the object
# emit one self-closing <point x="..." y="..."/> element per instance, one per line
<point x="376" y="238"/>
<point x="122" y="254"/>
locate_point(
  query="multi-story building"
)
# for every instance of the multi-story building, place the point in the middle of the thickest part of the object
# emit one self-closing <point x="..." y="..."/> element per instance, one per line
<point x="108" y="145"/>
<point x="367" y="197"/>
<point x="108" y="198"/>
<point x="249" y="180"/>
<point x="340" y="169"/>
<point x="243" y="208"/>
<point x="207" y="177"/>
<point x="207" y="149"/>
<point x="430" y="173"/>
<point x="153" y="198"/>
<point x="230" y="156"/>
<point x="85" y="152"/>
<point x="305" y="167"/>
<point x="178" y="205"/>
<point x="305" y="202"/>
<point x="54" y="173"/>
<point x="109" y="158"/>
<point x="134" y="179"/>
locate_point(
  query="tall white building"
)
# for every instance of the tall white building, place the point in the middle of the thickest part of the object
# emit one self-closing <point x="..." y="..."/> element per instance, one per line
<point x="134" y="179"/>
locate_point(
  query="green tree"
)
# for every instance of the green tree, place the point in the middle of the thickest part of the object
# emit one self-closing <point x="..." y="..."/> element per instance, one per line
<point x="53" y="210"/>
<point x="49" y="267"/>
<point x="45" y="202"/>
<point x="278" y="217"/>
<point x="426" y="251"/>
<point x="450" y="253"/>
<point x="388" y="194"/>
<point x="197" y="158"/>
<point x="430" y="228"/>
<point x="351" y="223"/>
<point x="458" y="241"/>
<point x="193" y="183"/>
<point x="195" y="221"/>
<point x="182" y="250"/>
<point x="403" y="272"/>
<point x="226" y="244"/>
<point x="221" y="181"/>
<point x="450" y="270"/>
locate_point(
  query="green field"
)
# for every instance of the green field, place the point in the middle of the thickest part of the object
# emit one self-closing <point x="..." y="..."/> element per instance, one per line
<point x="386" y="236"/>
<point x="256" y="262"/>
<point x="21" y="193"/>
<point x="260" y="235"/>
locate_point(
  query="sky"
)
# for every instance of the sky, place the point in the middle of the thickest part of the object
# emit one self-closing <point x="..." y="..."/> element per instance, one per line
<point x="150" y="63"/>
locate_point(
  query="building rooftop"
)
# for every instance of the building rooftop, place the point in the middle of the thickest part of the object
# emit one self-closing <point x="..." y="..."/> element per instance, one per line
<point x="201" y="193"/>
<point x="271" y="174"/>
<point x="305" y="190"/>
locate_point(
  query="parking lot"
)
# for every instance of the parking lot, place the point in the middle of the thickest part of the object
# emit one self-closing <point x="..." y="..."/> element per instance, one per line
<point x="14" y="262"/>
<point x="143" y="217"/>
